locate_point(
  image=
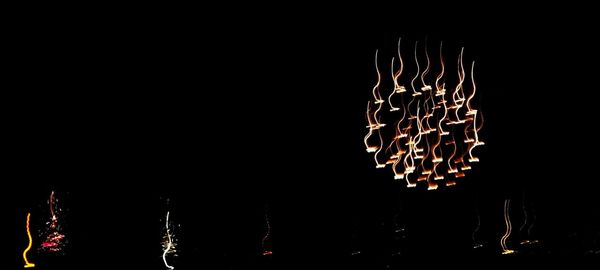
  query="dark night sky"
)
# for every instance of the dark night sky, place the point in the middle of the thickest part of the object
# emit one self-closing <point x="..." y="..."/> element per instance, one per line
<point x="271" y="111"/>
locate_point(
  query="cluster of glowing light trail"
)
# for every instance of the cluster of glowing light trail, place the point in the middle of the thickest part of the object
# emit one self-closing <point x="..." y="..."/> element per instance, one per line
<point x="27" y="263"/>
<point x="434" y="134"/>
<point x="54" y="239"/>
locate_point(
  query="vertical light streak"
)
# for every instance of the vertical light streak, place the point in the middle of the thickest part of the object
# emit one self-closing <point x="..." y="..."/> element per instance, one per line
<point x="376" y="93"/>
<point x="470" y="110"/>
<point x="409" y="165"/>
<point x="439" y="87"/>
<point x="458" y="96"/>
<point x="437" y="159"/>
<point x="27" y="263"/>
<point x="395" y="154"/>
<point x="473" y="235"/>
<point x="525" y="216"/>
<point x="441" y="130"/>
<point x="375" y="157"/>
<point x="476" y="142"/>
<point x="169" y="243"/>
<point x="471" y="114"/>
<point x="397" y="87"/>
<point x="378" y="124"/>
<point x="464" y="166"/>
<point x="397" y="175"/>
<point x="451" y="167"/>
<point x="412" y="82"/>
<point x="527" y="234"/>
<point x="371" y="127"/>
<point x="533" y="217"/>
<point x="394" y="78"/>
<point x="416" y="148"/>
<point x="508" y="231"/>
<point x="425" y="87"/>
<point x="267" y="234"/>
<point x="51" y="202"/>
<point x="428" y="113"/>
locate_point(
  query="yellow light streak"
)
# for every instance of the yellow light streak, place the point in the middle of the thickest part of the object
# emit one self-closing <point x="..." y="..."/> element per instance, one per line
<point x="27" y="263"/>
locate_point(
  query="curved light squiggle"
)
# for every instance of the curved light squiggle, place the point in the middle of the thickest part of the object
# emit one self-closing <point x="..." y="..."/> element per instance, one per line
<point x="425" y="87"/>
<point x="371" y="127"/>
<point x="27" y="263"/>
<point x="395" y="79"/>
<point x="412" y="82"/>
<point x="508" y="231"/>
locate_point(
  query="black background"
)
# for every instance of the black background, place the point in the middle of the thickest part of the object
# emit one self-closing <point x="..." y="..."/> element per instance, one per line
<point x="226" y="116"/>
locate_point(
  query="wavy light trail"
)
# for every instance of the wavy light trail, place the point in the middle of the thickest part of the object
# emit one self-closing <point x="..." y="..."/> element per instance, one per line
<point x="27" y="263"/>
<point x="169" y="243"/>
<point x="508" y="231"/>
<point x="267" y="235"/>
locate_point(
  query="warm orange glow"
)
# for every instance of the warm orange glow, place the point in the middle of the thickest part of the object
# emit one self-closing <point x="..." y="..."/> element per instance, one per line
<point x="432" y="186"/>
<point x="459" y="174"/>
<point x="27" y="263"/>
